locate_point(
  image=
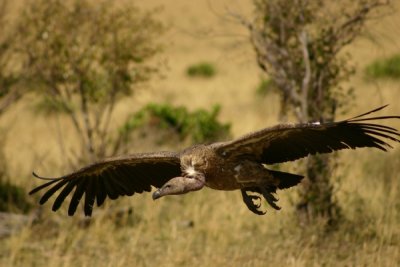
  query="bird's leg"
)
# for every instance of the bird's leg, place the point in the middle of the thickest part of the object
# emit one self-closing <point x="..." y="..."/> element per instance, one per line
<point x="267" y="193"/>
<point x="249" y="201"/>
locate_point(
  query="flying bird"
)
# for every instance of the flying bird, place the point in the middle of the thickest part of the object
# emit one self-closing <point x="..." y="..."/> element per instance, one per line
<point x="240" y="164"/>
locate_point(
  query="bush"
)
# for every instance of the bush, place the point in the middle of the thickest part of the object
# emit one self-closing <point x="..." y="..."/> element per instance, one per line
<point x="13" y="198"/>
<point x="204" y="69"/>
<point x="265" y="87"/>
<point x="198" y="126"/>
<point x="384" y="68"/>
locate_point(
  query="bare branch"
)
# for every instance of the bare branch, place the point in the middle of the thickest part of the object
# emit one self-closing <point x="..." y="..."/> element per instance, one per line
<point x="307" y="72"/>
<point x="86" y="121"/>
<point x="351" y="28"/>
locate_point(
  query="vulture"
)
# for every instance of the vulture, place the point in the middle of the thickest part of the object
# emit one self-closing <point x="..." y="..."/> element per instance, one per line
<point x="239" y="164"/>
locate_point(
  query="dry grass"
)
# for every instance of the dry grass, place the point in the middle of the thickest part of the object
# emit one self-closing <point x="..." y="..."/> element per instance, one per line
<point x="210" y="228"/>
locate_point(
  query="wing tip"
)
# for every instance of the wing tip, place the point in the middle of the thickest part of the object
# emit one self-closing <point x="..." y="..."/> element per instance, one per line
<point x="369" y="112"/>
<point x="44" y="178"/>
<point x="32" y="192"/>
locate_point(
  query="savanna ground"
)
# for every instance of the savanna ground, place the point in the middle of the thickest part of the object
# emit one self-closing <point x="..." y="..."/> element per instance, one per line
<point x="210" y="228"/>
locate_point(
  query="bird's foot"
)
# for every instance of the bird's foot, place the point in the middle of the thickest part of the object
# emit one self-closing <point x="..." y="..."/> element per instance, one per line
<point x="270" y="198"/>
<point x="253" y="202"/>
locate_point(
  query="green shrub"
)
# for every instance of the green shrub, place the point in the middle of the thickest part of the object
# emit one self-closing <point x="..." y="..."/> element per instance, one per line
<point x="52" y="106"/>
<point x="198" y="126"/>
<point x="265" y="87"/>
<point x="204" y="69"/>
<point x="384" y="68"/>
<point x="13" y="198"/>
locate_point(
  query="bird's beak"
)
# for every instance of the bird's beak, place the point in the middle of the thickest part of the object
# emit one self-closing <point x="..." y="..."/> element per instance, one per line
<point x="156" y="194"/>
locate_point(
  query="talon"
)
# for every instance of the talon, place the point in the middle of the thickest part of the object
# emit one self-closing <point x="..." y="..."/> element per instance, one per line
<point x="271" y="199"/>
<point x="249" y="201"/>
<point x="256" y="200"/>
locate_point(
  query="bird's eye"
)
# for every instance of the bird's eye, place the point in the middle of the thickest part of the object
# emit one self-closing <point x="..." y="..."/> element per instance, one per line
<point x="167" y="186"/>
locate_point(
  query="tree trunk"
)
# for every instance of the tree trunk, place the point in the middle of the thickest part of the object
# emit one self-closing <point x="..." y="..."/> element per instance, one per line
<point x="316" y="195"/>
<point x="317" y="201"/>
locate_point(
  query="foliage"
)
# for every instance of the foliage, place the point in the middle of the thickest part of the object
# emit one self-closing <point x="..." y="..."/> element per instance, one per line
<point x="13" y="198"/>
<point x="9" y="89"/>
<point x="203" y="69"/>
<point x="384" y="68"/>
<point x="265" y="87"/>
<point x="49" y="106"/>
<point x="198" y="126"/>
<point x="82" y="56"/>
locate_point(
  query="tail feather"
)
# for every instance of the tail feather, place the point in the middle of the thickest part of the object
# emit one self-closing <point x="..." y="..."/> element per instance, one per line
<point x="286" y="179"/>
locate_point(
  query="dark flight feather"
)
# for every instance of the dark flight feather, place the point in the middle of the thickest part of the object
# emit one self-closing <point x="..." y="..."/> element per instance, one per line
<point x="111" y="178"/>
<point x="288" y="142"/>
<point x="76" y="197"/>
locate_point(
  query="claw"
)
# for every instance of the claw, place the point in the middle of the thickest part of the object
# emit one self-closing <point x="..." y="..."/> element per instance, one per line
<point x="256" y="200"/>
<point x="270" y="198"/>
<point x="249" y="201"/>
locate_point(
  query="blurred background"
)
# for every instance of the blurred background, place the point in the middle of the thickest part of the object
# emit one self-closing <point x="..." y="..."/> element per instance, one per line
<point x="83" y="80"/>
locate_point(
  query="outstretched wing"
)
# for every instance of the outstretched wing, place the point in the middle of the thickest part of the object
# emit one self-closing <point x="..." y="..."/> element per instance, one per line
<point x="111" y="178"/>
<point x="287" y="142"/>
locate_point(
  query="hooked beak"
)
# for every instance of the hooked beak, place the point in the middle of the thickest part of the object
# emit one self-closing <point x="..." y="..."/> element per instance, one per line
<point x="156" y="194"/>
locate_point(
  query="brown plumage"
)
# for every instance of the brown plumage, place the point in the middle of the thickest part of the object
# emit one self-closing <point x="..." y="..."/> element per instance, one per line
<point x="232" y="165"/>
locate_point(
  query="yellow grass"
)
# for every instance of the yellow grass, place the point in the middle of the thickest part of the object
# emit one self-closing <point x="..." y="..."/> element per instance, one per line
<point x="210" y="228"/>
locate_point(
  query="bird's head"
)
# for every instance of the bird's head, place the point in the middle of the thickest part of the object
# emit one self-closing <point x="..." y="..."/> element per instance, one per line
<point x="175" y="186"/>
